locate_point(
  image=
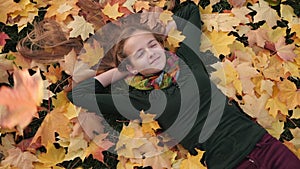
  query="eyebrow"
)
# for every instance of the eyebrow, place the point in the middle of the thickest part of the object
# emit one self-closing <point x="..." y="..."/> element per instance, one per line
<point x="147" y="44"/>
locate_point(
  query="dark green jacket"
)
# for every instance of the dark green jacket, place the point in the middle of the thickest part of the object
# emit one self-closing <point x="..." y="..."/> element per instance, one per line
<point x="193" y="111"/>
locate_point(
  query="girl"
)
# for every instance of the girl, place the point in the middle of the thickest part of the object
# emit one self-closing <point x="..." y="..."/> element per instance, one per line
<point x="188" y="106"/>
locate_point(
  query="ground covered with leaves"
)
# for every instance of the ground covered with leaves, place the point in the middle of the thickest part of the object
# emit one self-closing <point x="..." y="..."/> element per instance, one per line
<point x="256" y="42"/>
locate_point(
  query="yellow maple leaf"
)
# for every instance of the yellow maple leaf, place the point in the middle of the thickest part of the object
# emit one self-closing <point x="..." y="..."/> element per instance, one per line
<point x="80" y="27"/>
<point x="7" y="7"/>
<point x="175" y="37"/>
<point x="291" y="69"/>
<point x="226" y="74"/>
<point x="76" y="148"/>
<point x="162" y="160"/>
<point x="255" y="107"/>
<point x="288" y="93"/>
<point x="296" y="140"/>
<point x="193" y="161"/>
<point x="296" y="28"/>
<point x="166" y="16"/>
<point x="93" y="53"/>
<point x="276" y="129"/>
<point x="274" y="105"/>
<point x="149" y="125"/>
<point x="61" y="9"/>
<point x="61" y="99"/>
<point x="53" y="156"/>
<point x="287" y="12"/>
<point x="275" y="69"/>
<point x="217" y="42"/>
<point x="296" y="113"/>
<point x="112" y="11"/>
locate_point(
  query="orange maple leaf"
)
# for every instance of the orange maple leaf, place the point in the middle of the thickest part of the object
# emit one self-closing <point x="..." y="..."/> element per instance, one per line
<point x="27" y="93"/>
<point x="55" y="121"/>
<point x="112" y="11"/>
<point x="97" y="146"/>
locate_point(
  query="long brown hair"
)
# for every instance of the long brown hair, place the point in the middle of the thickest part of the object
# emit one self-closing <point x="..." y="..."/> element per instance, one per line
<point x="47" y="42"/>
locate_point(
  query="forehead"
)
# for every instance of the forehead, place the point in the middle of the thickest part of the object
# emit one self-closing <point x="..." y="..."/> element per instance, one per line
<point x="136" y="41"/>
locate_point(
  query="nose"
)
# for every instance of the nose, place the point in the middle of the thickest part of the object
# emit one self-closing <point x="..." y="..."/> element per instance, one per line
<point x="150" y="54"/>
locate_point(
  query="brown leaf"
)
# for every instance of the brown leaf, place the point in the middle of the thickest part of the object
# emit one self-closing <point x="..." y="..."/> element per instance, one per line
<point x="17" y="158"/>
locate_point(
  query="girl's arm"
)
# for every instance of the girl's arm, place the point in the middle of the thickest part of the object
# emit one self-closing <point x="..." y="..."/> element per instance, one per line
<point x="111" y="76"/>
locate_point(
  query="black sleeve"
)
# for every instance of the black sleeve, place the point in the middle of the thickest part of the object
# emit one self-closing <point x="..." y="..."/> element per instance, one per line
<point x="187" y="18"/>
<point x="91" y="95"/>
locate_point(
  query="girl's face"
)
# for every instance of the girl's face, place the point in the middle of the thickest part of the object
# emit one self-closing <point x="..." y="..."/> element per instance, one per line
<point x="145" y="53"/>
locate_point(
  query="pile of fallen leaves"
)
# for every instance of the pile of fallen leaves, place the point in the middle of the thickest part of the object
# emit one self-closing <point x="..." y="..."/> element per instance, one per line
<point x="257" y="43"/>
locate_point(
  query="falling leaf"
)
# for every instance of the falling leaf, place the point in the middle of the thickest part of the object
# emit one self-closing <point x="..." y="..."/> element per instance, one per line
<point x="265" y="12"/>
<point x="80" y="27"/>
<point x="93" y="53"/>
<point x="27" y="92"/>
<point x="289" y="93"/>
<point x="55" y="121"/>
<point x="284" y="51"/>
<point x="112" y="11"/>
<point x="19" y="159"/>
<point x="52" y="156"/>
